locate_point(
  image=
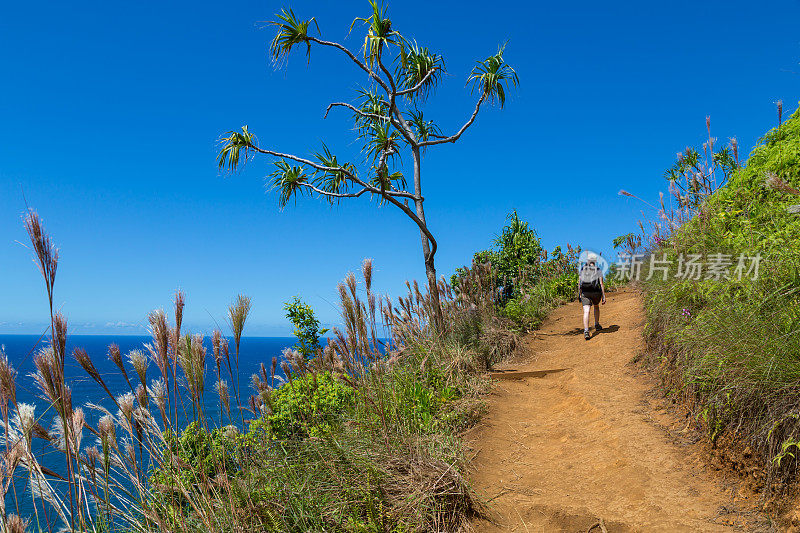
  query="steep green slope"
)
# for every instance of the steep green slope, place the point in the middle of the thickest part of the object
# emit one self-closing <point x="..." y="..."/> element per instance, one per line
<point x="732" y="346"/>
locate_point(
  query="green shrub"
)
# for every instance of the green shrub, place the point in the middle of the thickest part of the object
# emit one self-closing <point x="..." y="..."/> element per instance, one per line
<point x="204" y="453"/>
<point x="308" y="405"/>
<point x="306" y="326"/>
<point x="529" y="309"/>
<point x="515" y="257"/>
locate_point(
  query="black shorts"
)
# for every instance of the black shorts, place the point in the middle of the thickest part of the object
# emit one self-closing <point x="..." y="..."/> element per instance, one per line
<point x="591" y="298"/>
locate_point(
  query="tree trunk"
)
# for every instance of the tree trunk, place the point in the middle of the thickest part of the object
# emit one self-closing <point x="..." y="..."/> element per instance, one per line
<point x="427" y="252"/>
<point x="433" y="283"/>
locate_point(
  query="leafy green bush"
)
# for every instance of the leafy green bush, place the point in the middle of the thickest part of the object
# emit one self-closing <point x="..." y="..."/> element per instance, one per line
<point x="204" y="453"/>
<point x="306" y="326"/>
<point x="308" y="405"/>
<point x="515" y="256"/>
<point x="528" y="309"/>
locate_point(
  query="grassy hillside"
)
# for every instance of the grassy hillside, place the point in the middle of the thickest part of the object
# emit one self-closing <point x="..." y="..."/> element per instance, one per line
<point x="732" y="346"/>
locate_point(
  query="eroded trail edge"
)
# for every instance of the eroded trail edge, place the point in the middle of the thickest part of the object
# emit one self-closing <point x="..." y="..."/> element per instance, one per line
<point x="584" y="437"/>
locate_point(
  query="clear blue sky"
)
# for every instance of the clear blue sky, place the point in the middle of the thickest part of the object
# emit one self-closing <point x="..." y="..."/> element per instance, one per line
<point x="110" y="111"/>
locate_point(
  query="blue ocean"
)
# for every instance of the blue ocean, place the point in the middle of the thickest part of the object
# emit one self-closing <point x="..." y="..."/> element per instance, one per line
<point x="20" y="350"/>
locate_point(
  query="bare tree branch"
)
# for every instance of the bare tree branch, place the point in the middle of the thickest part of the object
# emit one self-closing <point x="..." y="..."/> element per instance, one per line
<point x="417" y="87"/>
<point x="350" y="54"/>
<point x="413" y="216"/>
<point x="323" y="168"/>
<point x="400" y="123"/>
<point x="454" y="138"/>
<point x="355" y="110"/>
<point x="333" y="194"/>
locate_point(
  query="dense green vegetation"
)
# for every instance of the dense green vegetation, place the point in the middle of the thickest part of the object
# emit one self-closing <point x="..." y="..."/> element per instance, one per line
<point x="362" y="435"/>
<point x="369" y="430"/>
<point x="731" y="344"/>
<point x="359" y="433"/>
<point x="527" y="280"/>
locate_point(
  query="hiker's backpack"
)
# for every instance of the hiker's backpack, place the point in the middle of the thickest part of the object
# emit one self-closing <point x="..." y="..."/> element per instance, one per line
<point x="590" y="278"/>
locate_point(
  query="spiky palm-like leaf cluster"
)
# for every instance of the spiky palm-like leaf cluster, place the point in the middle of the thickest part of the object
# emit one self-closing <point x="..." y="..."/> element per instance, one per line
<point x="291" y="31"/>
<point x="333" y="181"/>
<point x="417" y="65"/>
<point x="234" y="145"/>
<point x="379" y="32"/>
<point x="424" y="130"/>
<point x="493" y="76"/>
<point x="288" y="180"/>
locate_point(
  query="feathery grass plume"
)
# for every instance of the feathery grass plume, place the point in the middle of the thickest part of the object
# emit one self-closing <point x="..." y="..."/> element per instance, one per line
<point x="216" y="340"/>
<point x="45" y="376"/>
<point x="115" y="356"/>
<point x="138" y="360"/>
<point x="287" y="370"/>
<point x="86" y="363"/>
<point x="125" y="402"/>
<point x="60" y="339"/>
<point x="191" y="358"/>
<point x="224" y="397"/>
<point x="15" y="524"/>
<point x="76" y="430"/>
<point x="779" y="105"/>
<point x="772" y="181"/>
<point x="158" y="392"/>
<point x="58" y="435"/>
<point x="296" y="360"/>
<point x="366" y="269"/>
<point x="180" y="303"/>
<point x="25" y="419"/>
<point x="8" y="383"/>
<point x="237" y="314"/>
<point x="224" y="350"/>
<point x="255" y="405"/>
<point x="45" y="251"/>
<point x="107" y="430"/>
<point x="159" y="348"/>
<point x="91" y="457"/>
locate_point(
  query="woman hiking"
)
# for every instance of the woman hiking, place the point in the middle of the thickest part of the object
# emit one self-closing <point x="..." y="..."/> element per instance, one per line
<point x="591" y="292"/>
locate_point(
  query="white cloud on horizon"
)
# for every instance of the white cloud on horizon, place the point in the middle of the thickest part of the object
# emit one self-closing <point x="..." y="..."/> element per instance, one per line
<point x="121" y="324"/>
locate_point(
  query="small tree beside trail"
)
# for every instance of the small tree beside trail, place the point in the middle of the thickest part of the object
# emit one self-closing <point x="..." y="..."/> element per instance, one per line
<point x="387" y="116"/>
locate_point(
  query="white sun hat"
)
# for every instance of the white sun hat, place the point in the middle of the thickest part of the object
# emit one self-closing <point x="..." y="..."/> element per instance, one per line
<point x="592" y="257"/>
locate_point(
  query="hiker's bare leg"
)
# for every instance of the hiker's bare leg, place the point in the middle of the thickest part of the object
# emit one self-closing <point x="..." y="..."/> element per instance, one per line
<point x="586" y="317"/>
<point x="596" y="314"/>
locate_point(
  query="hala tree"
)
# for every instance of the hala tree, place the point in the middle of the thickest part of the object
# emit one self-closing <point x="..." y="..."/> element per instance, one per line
<point x="388" y="119"/>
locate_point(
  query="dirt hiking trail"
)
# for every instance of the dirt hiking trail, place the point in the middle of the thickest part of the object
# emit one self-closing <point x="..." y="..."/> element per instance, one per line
<point x="593" y="440"/>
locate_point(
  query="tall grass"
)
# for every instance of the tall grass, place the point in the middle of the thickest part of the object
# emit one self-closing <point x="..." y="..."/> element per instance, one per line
<point x="361" y="436"/>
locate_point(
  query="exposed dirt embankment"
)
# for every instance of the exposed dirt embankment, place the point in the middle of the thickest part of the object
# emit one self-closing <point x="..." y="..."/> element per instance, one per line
<point x="592" y="444"/>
